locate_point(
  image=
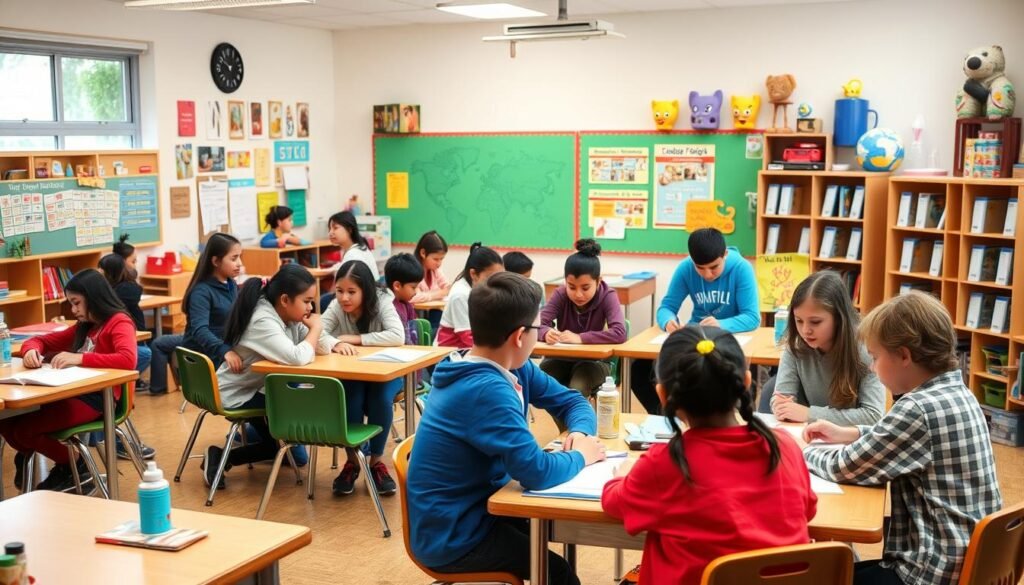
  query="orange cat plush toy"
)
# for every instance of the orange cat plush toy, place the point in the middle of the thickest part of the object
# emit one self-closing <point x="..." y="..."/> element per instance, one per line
<point x="745" y="109"/>
<point x="665" y="114"/>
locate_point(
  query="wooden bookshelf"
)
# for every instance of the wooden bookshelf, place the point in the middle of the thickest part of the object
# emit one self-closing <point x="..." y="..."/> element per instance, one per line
<point x="775" y="143"/>
<point x="810" y="188"/>
<point x="266" y="261"/>
<point x="94" y="163"/>
<point x="27" y="274"/>
<point x="951" y="285"/>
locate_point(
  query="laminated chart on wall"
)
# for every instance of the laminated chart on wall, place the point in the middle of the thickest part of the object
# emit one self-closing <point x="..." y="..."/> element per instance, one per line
<point x="22" y="214"/>
<point x="60" y="210"/>
<point x="96" y="215"/>
<point x="138" y="203"/>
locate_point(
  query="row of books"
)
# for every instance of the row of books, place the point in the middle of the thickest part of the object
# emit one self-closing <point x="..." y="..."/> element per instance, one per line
<point x="990" y="264"/>
<point x="782" y="199"/>
<point x="850" y="278"/>
<point x="988" y="311"/>
<point x="994" y="215"/>
<point x="983" y="156"/>
<point x="843" y="201"/>
<point x="836" y="241"/>
<point x="54" y="280"/>
<point x="919" y="255"/>
<point x="927" y="210"/>
<point x="772" y="240"/>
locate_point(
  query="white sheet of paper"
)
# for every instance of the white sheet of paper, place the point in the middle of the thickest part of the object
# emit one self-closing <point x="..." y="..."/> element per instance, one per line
<point x="395" y="354"/>
<point x="47" y="376"/>
<point x="244" y="221"/>
<point x="824" y="486"/>
<point x="213" y="203"/>
<point x="743" y="339"/>
<point x="768" y="419"/>
<point x="587" y="485"/>
<point x="295" y="177"/>
<point x="659" y="339"/>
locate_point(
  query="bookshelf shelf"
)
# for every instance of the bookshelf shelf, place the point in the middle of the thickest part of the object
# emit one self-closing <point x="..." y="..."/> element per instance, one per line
<point x="915" y="230"/>
<point x="839" y="260"/>
<point x="1015" y="401"/>
<point x="989" y="237"/>
<point x="19" y="300"/>
<point x="841" y="220"/>
<point x="917" y="275"/>
<point x="988" y="284"/>
<point x="793" y="217"/>
<point x="56" y="301"/>
<point x="986" y="332"/>
<point x="992" y="377"/>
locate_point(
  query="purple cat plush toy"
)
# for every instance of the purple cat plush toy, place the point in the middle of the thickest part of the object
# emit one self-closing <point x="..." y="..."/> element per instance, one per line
<point x="704" y="110"/>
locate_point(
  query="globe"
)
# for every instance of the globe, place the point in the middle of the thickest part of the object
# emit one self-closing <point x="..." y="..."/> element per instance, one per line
<point x="880" y="150"/>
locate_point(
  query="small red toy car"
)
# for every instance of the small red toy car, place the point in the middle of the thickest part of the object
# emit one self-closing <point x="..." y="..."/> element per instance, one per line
<point x="803" y="152"/>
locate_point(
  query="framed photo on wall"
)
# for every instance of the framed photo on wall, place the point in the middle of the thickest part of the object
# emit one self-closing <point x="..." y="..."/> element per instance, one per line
<point x="236" y="120"/>
<point x="275" y="118"/>
<point x="302" y="110"/>
<point x="256" y="119"/>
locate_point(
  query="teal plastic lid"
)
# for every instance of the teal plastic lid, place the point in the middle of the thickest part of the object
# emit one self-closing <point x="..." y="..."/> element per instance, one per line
<point x="8" y="561"/>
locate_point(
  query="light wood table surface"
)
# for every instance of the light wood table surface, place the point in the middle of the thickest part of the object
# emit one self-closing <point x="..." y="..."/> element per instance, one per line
<point x="348" y="367"/>
<point x="17" y="397"/>
<point x="629" y="290"/>
<point x="425" y="306"/>
<point x="854" y="516"/>
<point x="156" y="303"/>
<point x="59" y="534"/>
<point x="573" y="351"/>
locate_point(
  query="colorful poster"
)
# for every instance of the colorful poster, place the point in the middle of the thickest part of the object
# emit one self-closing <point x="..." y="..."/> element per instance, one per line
<point x="303" y="113"/>
<point x="274" y="116"/>
<point x="777" y="277"/>
<point x="619" y="166"/>
<point x="297" y="201"/>
<point x="97" y="213"/>
<point x="398" y="190"/>
<point x="60" y="210"/>
<point x="710" y="214"/>
<point x="261" y="163"/>
<point x="610" y="228"/>
<point x="186" y="118"/>
<point x="682" y="172"/>
<point x="211" y="159"/>
<point x="138" y="203"/>
<point x="291" y="151"/>
<point x="627" y="205"/>
<point x="236" y="120"/>
<point x="255" y="119"/>
<point x="239" y="159"/>
<point x="183" y="161"/>
<point x="22" y="214"/>
<point x="264" y="201"/>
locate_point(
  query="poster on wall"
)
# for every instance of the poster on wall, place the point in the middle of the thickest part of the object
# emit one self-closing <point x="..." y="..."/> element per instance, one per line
<point x="289" y="121"/>
<point x="60" y="210"/>
<point x="274" y="117"/>
<point x="186" y="118"/>
<point x="619" y="165"/>
<point x="264" y="201"/>
<point x="777" y="278"/>
<point x="183" y="161"/>
<point x="256" y="119"/>
<point x="628" y="205"/>
<point x="211" y="159"/>
<point x="683" y="172"/>
<point x="302" y="110"/>
<point x="261" y="166"/>
<point x="138" y="203"/>
<point x="236" y="120"/>
<point x="239" y="159"/>
<point x="96" y="215"/>
<point x="22" y="214"/>
<point x="242" y="208"/>
<point x="214" y="121"/>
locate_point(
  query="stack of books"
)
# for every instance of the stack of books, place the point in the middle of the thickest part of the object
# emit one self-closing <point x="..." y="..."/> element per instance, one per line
<point x="983" y="156"/>
<point x="54" y="280"/>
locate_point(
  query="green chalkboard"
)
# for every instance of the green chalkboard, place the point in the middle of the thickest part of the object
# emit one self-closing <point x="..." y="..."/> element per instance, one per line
<point x="58" y="215"/>
<point x="507" y="190"/>
<point x="621" y="171"/>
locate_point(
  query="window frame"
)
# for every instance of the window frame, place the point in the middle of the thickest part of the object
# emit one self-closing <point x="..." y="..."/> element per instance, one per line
<point x="60" y="128"/>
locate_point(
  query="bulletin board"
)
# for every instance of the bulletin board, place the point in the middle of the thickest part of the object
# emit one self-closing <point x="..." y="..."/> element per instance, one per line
<point x="646" y="178"/>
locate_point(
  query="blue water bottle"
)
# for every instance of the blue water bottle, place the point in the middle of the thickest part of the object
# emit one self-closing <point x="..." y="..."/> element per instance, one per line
<point x="781" y="317"/>
<point x="154" y="501"/>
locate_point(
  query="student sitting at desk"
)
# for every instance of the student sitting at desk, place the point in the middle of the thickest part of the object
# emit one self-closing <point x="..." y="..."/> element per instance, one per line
<point x="279" y="220"/>
<point x="403" y="273"/>
<point x="363" y="314"/>
<point x="430" y="251"/>
<point x="516" y="261"/>
<point x="722" y="286"/>
<point x="932" y="447"/>
<point x="104" y="337"/>
<point x="824" y="372"/>
<point x="720" y="486"/>
<point x="461" y="458"/>
<point x="455" y="329"/>
<point x="274" y="322"/>
<point x="127" y="251"/>
<point x="343" y="231"/>
<point x="583" y="310"/>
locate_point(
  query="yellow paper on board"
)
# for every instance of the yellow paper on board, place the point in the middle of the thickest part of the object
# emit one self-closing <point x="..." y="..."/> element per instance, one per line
<point x="777" y="278"/>
<point x="398" y="190"/>
<point x="261" y="160"/>
<point x="710" y="214"/>
<point x="264" y="201"/>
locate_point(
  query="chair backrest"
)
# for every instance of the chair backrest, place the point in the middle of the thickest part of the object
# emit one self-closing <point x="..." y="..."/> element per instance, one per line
<point x="198" y="380"/>
<point x="995" y="555"/>
<point x="424" y="331"/>
<point x="308" y="410"/>
<point x="805" y="564"/>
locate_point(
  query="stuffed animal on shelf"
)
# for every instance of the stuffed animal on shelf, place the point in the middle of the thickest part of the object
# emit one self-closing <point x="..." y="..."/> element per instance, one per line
<point x="745" y="109"/>
<point x="705" y="110"/>
<point x="852" y="88"/>
<point x="780" y="88"/>
<point x="987" y="91"/>
<point x="665" y="114"/>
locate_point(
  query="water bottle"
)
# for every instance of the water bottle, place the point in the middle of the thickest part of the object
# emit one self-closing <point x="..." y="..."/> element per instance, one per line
<point x="5" y="343"/>
<point x="154" y="501"/>
<point x="781" y="318"/>
<point x="608" y="410"/>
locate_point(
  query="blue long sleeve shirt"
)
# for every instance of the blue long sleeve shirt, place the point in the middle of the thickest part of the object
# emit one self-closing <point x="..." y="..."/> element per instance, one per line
<point x="208" y="307"/>
<point x="473" y="439"/>
<point x="731" y="298"/>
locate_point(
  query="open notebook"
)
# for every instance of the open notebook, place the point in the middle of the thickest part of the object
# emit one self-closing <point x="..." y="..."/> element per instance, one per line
<point x="48" y="376"/>
<point x="128" y="534"/>
<point x="587" y="485"/>
<point x="395" y="355"/>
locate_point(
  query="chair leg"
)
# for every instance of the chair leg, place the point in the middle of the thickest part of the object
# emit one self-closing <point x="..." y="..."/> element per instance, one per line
<point x="2" y="445"/>
<point x="394" y="430"/>
<point x="419" y="406"/>
<point x="83" y="452"/>
<point x="28" y="471"/>
<point x="223" y="463"/>
<point x="271" y="481"/>
<point x="190" y="444"/>
<point x="130" y="426"/>
<point x="133" y="450"/>
<point x="373" y="491"/>
<point x="243" y="432"/>
<point x="74" y="468"/>
<point x="291" y="460"/>
<point x="181" y="410"/>
<point x="311" y="472"/>
<point x="334" y="460"/>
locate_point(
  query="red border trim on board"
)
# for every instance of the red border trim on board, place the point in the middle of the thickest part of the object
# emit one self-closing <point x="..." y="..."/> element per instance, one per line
<point x="668" y="133"/>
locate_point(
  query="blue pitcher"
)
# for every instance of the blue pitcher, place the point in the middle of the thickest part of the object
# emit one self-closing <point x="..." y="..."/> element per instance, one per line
<point x="852" y="121"/>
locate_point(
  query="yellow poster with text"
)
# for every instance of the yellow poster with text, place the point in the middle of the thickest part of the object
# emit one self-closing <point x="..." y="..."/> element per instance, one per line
<point x="264" y="201"/>
<point x="777" y="278"/>
<point x="398" y="190"/>
<point x="261" y="164"/>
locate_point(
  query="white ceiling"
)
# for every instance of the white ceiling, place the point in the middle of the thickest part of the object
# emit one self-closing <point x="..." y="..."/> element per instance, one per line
<point x="352" y="14"/>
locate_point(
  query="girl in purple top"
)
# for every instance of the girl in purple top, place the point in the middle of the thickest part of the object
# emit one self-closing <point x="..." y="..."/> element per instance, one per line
<point x="583" y="310"/>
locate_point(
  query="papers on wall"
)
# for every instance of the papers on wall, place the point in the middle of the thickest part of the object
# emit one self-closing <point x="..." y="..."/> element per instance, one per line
<point x="22" y="214"/>
<point x="60" y="210"/>
<point x="295" y="177"/>
<point x="97" y="213"/>
<point x="242" y="197"/>
<point x="213" y="204"/>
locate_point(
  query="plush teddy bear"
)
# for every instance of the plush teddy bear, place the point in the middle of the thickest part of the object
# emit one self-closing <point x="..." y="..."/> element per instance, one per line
<point x="665" y="114"/>
<point x="705" y="110"/>
<point x="744" y="111"/>
<point x="987" y="92"/>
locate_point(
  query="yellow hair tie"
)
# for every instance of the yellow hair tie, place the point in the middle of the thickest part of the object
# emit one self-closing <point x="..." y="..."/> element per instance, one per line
<point x="705" y="346"/>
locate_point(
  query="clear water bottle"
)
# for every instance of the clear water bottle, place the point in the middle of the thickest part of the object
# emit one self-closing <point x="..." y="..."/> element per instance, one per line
<point x="154" y="501"/>
<point x="5" y="342"/>
<point x="608" y="410"/>
<point x="781" y="319"/>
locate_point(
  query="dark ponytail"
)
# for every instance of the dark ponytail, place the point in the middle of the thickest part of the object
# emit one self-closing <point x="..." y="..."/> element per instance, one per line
<point x="359" y="272"/>
<point x="276" y="214"/>
<point x="122" y="248"/>
<point x="585" y="261"/>
<point x="348" y="221"/>
<point x="291" y="280"/>
<point x="480" y="258"/>
<point x="704" y="384"/>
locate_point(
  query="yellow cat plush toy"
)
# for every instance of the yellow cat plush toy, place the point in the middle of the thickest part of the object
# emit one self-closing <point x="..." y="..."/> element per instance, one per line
<point x="665" y="114"/>
<point x="744" y="111"/>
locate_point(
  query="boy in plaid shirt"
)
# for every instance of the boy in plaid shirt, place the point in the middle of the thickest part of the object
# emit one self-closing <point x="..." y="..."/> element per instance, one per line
<point x="932" y="446"/>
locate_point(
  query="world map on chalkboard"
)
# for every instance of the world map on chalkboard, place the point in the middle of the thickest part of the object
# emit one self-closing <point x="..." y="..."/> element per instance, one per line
<point x="502" y="191"/>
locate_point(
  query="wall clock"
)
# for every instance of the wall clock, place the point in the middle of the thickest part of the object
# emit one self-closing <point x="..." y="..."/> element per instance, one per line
<point x="226" y="67"/>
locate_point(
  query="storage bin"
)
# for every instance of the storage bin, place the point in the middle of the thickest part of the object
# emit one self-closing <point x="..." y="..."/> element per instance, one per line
<point x="1005" y="427"/>
<point x="995" y="394"/>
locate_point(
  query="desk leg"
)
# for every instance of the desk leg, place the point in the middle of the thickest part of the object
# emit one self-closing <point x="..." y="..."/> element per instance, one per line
<point x="539" y="530"/>
<point x="410" y="404"/>
<point x="269" y="575"/>
<point x="109" y="440"/>
<point x="158" y="323"/>
<point x="626" y="312"/>
<point x="627" y="389"/>
<point x="654" y="311"/>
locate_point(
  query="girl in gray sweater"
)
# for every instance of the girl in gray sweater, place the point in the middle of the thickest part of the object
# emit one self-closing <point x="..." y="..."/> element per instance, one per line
<point x="824" y="373"/>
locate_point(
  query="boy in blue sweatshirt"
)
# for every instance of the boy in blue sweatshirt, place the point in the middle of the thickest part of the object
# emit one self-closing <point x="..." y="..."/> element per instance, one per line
<point x="722" y="286"/>
<point x="475" y="437"/>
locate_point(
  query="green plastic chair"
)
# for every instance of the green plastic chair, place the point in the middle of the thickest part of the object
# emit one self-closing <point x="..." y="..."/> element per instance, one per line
<point x="310" y="410"/>
<point x="424" y="331"/>
<point x="69" y="438"/>
<point x="200" y="387"/>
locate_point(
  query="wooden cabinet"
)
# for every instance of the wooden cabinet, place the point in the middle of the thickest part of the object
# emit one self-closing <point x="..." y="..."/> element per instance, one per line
<point x="26" y="274"/>
<point x="172" y="285"/>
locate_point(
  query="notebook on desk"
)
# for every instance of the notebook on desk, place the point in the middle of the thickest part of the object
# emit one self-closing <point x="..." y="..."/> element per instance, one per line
<point x="48" y="376"/>
<point x="399" y="355"/>
<point x="128" y="534"/>
<point x="587" y="485"/>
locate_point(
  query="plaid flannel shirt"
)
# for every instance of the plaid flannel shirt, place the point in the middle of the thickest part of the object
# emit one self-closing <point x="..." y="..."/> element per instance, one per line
<point x="933" y="448"/>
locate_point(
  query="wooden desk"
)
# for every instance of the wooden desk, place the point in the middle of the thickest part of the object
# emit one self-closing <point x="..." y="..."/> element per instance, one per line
<point x="15" y="396"/>
<point x="139" y="336"/>
<point x="59" y="529"/>
<point x="437" y="305"/>
<point x="580" y="351"/>
<point x="347" y="367"/>
<point x="759" y="348"/>
<point x="156" y="303"/>
<point x="629" y="290"/>
<point x="854" y="516"/>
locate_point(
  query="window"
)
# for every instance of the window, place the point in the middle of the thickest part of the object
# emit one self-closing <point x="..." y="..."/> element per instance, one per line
<point x="72" y="97"/>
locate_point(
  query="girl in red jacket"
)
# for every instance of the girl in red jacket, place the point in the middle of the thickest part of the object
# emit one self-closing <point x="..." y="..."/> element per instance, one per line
<point x="720" y="486"/>
<point x="104" y="337"/>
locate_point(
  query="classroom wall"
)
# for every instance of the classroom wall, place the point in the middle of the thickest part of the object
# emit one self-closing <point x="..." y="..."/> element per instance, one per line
<point x="284" y="63"/>
<point x="908" y="55"/>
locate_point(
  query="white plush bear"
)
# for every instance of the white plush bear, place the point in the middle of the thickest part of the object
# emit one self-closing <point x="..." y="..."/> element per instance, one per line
<point x="987" y="92"/>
